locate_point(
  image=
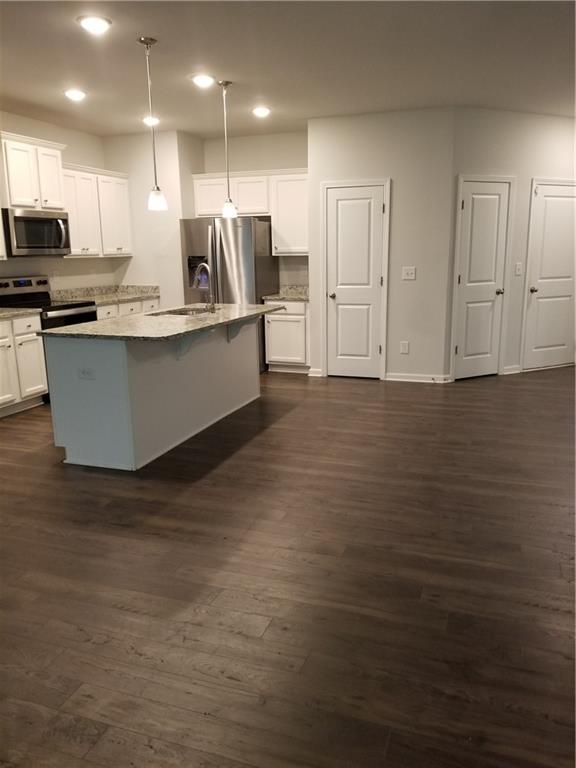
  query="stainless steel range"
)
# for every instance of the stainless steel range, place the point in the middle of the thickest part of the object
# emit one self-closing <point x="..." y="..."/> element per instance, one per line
<point x="34" y="293"/>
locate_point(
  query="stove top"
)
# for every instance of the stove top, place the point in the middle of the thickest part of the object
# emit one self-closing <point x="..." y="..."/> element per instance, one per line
<point x="34" y="293"/>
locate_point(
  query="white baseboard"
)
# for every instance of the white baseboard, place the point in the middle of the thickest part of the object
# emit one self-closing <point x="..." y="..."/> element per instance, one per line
<point x="273" y="368"/>
<point x="22" y="405"/>
<point x="419" y="377"/>
<point x="316" y="372"/>
<point x="509" y="369"/>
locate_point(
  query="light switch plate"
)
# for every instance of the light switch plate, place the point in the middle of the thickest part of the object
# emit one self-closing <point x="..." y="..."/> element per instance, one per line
<point x="518" y="269"/>
<point x="408" y="273"/>
<point x="404" y="347"/>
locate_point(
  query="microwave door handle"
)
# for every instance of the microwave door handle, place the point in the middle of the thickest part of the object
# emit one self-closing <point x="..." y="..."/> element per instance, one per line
<point x="62" y="232"/>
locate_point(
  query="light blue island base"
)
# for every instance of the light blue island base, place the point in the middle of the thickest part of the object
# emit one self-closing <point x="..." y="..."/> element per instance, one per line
<point x="120" y="403"/>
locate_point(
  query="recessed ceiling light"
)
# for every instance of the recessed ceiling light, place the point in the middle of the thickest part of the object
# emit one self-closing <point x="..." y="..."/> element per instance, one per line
<point x="75" y="94"/>
<point x="203" y="81"/>
<point x="261" y="111"/>
<point x="96" y="25"/>
<point x="150" y="121"/>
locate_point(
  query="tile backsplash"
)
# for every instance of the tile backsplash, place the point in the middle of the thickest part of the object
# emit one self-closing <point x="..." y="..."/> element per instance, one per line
<point x="293" y="270"/>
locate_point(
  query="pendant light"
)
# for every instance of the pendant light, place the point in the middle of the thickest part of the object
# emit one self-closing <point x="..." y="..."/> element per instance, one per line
<point x="228" y="209"/>
<point x="156" y="199"/>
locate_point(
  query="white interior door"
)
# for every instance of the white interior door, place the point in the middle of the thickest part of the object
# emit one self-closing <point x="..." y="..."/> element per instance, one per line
<point x="355" y="248"/>
<point x="549" y="329"/>
<point x="480" y="261"/>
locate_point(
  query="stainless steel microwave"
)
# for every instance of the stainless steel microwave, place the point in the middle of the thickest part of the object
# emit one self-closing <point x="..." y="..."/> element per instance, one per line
<point x="36" y="233"/>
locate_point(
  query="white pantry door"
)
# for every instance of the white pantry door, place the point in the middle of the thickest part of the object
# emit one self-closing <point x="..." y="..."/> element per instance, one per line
<point x="355" y="246"/>
<point x="480" y="261"/>
<point x="549" y="336"/>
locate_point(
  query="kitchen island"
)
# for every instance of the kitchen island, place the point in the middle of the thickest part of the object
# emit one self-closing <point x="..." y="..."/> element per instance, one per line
<point x="126" y="390"/>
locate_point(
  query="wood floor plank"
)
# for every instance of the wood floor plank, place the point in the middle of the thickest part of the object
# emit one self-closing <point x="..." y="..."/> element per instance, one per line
<point x="342" y="574"/>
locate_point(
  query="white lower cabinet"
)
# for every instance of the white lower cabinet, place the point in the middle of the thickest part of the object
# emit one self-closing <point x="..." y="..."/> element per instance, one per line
<point x="149" y="305"/>
<point x="22" y="367"/>
<point x="107" y="310"/>
<point x="286" y="336"/>
<point x="31" y="365"/>
<point x="9" y="390"/>
<point x="130" y="308"/>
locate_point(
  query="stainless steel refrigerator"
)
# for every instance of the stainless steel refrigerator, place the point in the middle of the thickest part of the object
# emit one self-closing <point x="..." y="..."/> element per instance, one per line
<point x="239" y="253"/>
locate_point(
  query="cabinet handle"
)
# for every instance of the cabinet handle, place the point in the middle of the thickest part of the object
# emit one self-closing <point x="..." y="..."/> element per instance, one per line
<point x="36" y="199"/>
<point x="45" y="199"/>
<point x="119" y="248"/>
<point x="9" y="346"/>
<point x="29" y="325"/>
<point x="20" y="343"/>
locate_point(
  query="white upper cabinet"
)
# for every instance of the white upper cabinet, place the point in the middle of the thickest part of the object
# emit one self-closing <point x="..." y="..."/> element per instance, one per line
<point x="22" y="174"/>
<point x="81" y="202"/>
<point x="115" y="215"/>
<point x="289" y="211"/>
<point x="50" y="177"/>
<point x="250" y="194"/>
<point x="34" y="175"/>
<point x="209" y="196"/>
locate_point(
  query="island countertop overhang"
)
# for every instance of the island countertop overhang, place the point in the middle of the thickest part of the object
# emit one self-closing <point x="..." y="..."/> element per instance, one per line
<point x="157" y="326"/>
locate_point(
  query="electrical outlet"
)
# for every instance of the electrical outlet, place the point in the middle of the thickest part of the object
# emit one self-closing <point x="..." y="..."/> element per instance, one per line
<point x="408" y="273"/>
<point x="404" y="347"/>
<point x="518" y="269"/>
<point x="89" y="374"/>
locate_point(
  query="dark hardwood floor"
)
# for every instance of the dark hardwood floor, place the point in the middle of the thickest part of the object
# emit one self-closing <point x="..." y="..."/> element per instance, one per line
<point x="344" y="574"/>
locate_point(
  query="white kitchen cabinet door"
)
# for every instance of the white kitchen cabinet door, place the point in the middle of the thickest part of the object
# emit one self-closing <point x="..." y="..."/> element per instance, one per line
<point x="114" y="216"/>
<point x="209" y="196"/>
<point x="9" y="390"/>
<point x="289" y="212"/>
<point x="286" y="339"/>
<point x="31" y="366"/>
<point x="50" y="177"/>
<point x="105" y="311"/>
<point x="130" y="308"/>
<point x="250" y="194"/>
<point x="22" y="174"/>
<point x="81" y="202"/>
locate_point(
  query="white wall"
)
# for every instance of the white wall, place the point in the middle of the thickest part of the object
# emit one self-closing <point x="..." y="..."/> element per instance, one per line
<point x="423" y="151"/>
<point x="191" y="160"/>
<point x="524" y="146"/>
<point x="258" y="153"/>
<point x="155" y="234"/>
<point x="414" y="149"/>
<point x="82" y="148"/>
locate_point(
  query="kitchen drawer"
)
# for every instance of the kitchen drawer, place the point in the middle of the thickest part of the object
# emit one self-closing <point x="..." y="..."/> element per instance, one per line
<point x="131" y="308"/>
<point x="26" y="324"/>
<point x="5" y="328"/>
<point x="107" y="310"/>
<point x="149" y="305"/>
<point x="290" y="307"/>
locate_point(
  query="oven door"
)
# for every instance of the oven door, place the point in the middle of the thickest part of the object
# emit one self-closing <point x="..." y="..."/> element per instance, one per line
<point x="56" y="318"/>
<point x="36" y="233"/>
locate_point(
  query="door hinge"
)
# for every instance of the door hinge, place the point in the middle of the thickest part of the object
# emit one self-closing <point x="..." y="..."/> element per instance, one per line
<point x="383" y="207"/>
<point x="379" y="349"/>
<point x="462" y="205"/>
<point x="459" y="279"/>
<point x="456" y="349"/>
<point x="381" y="280"/>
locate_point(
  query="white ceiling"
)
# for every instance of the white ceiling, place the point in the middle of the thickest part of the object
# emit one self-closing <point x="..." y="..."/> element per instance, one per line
<point x="303" y="59"/>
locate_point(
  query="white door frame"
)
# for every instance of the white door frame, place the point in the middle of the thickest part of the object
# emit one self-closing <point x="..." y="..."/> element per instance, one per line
<point x="535" y="181"/>
<point x="511" y="181"/>
<point x="385" y="183"/>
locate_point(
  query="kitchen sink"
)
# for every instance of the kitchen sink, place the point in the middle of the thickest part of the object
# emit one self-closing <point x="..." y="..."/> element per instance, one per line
<point x="186" y="311"/>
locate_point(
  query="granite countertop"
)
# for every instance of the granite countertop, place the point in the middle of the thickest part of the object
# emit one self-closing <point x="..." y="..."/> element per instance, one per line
<point x="157" y="326"/>
<point x="108" y="294"/>
<point x="7" y="313"/>
<point x="289" y="293"/>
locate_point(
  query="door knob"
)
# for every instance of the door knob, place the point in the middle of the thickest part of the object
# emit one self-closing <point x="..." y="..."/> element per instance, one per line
<point x="332" y="295"/>
<point x="499" y="291"/>
<point x="533" y="289"/>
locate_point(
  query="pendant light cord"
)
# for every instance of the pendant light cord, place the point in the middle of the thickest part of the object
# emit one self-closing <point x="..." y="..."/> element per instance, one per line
<point x="150" y="114"/>
<point x="224" y="89"/>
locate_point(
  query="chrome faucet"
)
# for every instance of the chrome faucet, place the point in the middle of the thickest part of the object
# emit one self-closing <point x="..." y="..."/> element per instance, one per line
<point x="210" y="306"/>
